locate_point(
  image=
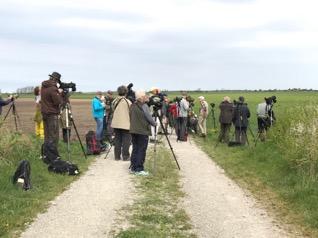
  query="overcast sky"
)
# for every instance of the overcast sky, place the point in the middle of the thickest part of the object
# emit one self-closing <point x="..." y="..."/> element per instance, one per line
<point x="171" y="44"/>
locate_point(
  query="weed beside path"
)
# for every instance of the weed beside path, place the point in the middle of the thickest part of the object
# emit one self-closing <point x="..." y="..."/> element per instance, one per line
<point x="156" y="211"/>
<point x="18" y="207"/>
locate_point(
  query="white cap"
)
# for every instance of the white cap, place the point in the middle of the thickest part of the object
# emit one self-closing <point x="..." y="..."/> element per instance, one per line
<point x="201" y="98"/>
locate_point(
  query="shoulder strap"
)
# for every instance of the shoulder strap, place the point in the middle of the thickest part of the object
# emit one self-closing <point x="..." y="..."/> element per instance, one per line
<point x="119" y="102"/>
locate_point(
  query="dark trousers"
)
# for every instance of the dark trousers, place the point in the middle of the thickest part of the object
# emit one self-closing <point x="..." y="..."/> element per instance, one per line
<point x="224" y="135"/>
<point x="138" y="155"/>
<point x="240" y="135"/>
<point x="181" y="128"/>
<point x="51" y="128"/>
<point x="64" y="132"/>
<point x="122" y="144"/>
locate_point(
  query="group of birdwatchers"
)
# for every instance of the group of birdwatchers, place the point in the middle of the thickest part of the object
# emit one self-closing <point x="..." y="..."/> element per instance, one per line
<point x="136" y="117"/>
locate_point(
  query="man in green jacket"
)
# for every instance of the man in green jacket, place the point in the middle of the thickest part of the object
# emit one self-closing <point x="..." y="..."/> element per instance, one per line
<point x="140" y="122"/>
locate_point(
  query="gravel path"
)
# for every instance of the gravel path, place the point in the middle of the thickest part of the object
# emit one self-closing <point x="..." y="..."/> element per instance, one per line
<point x="217" y="206"/>
<point x="88" y="208"/>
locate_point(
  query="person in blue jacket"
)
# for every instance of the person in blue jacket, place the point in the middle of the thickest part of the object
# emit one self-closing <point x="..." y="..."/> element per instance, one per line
<point x="98" y="110"/>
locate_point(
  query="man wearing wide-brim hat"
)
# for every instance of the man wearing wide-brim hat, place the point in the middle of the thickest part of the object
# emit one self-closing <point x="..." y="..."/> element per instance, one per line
<point x="51" y="98"/>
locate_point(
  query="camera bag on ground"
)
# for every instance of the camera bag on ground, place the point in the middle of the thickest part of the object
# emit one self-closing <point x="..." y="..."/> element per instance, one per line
<point x="49" y="152"/>
<point x="62" y="167"/>
<point x="23" y="175"/>
<point x="92" y="145"/>
<point x="234" y="143"/>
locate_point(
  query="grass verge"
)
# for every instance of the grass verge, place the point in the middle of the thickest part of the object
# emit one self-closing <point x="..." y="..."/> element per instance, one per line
<point x="156" y="210"/>
<point x="264" y="171"/>
<point x="18" y="207"/>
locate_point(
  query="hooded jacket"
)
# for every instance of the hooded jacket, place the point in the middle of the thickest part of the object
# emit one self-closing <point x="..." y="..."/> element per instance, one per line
<point x="226" y="112"/>
<point x="50" y="98"/>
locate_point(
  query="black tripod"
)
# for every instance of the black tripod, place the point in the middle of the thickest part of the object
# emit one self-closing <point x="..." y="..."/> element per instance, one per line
<point x="213" y="116"/>
<point x="156" y="115"/>
<point x="15" y="115"/>
<point x="69" y="121"/>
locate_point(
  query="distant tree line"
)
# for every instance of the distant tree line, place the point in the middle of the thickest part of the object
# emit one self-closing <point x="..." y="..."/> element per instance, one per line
<point x="25" y="90"/>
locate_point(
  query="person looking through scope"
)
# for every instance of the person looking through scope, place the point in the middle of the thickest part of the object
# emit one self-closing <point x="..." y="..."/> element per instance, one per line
<point x="5" y="102"/>
<point x="51" y="99"/>
<point x="140" y="122"/>
<point x="182" y="110"/>
<point x="240" y="120"/>
<point x="225" y="119"/>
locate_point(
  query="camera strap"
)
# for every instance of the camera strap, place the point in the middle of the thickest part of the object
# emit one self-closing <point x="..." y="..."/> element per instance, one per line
<point x="116" y="105"/>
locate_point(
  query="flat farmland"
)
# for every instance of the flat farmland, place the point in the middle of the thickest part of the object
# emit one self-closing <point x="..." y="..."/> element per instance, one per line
<point x="25" y="107"/>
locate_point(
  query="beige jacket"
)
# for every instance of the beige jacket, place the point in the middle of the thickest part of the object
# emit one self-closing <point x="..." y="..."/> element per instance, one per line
<point x="121" y="118"/>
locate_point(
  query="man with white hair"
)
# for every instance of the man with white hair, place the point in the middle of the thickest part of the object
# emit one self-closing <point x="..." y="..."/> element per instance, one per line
<point x="225" y="119"/>
<point x="204" y="111"/>
<point x="140" y="123"/>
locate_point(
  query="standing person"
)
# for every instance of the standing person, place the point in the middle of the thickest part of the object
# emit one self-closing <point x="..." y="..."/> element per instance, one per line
<point x="121" y="124"/>
<point x="181" y="127"/>
<point x="39" y="128"/>
<point x="51" y="100"/>
<point x="240" y="120"/>
<point x="225" y="119"/>
<point x="5" y="102"/>
<point x="140" y="122"/>
<point x="204" y="112"/>
<point x="108" y="130"/>
<point x="98" y="110"/>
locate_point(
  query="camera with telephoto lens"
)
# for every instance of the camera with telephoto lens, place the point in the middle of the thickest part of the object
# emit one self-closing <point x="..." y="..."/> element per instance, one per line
<point x="14" y="96"/>
<point x="67" y="86"/>
<point x="156" y="101"/>
<point x="190" y="100"/>
<point x="131" y="95"/>
<point x="212" y="104"/>
<point x="271" y="100"/>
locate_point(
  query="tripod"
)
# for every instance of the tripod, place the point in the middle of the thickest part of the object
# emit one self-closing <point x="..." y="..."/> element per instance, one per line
<point x="213" y="116"/>
<point x="15" y="115"/>
<point x="69" y="121"/>
<point x="156" y="115"/>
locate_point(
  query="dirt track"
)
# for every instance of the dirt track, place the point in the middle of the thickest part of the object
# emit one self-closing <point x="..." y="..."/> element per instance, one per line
<point x="81" y="110"/>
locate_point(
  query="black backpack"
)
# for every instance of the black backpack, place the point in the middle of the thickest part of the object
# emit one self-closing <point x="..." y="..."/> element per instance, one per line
<point x="62" y="167"/>
<point x="92" y="145"/>
<point x="49" y="152"/>
<point x="23" y="172"/>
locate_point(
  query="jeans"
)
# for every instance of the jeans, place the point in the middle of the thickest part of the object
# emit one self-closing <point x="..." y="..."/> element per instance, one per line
<point x="138" y="155"/>
<point x="99" y="128"/>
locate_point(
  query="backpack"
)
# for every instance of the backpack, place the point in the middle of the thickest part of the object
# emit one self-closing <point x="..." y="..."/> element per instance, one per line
<point x="62" y="167"/>
<point x="23" y="172"/>
<point x="49" y="152"/>
<point x="92" y="145"/>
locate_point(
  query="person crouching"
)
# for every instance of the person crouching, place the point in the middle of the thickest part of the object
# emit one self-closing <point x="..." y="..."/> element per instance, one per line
<point x="140" y="122"/>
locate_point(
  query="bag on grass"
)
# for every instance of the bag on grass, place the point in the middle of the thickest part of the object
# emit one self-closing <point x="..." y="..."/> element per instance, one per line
<point x="23" y="175"/>
<point x="63" y="167"/>
<point x="49" y="152"/>
<point x="234" y="143"/>
<point x="92" y="145"/>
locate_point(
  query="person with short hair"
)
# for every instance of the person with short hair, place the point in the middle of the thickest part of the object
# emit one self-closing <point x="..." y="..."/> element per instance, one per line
<point x="225" y="119"/>
<point x="181" y="125"/>
<point x="204" y="112"/>
<point x="240" y="120"/>
<point x="140" y="122"/>
<point x="98" y="110"/>
<point x="121" y="124"/>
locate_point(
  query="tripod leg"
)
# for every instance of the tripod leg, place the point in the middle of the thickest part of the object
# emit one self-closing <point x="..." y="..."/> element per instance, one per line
<point x="78" y="137"/>
<point x="5" y="117"/>
<point x="68" y="144"/>
<point x="174" y="156"/>
<point x="107" y="153"/>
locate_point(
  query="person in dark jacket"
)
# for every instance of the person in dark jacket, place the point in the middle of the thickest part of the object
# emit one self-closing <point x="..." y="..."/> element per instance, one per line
<point x="240" y="120"/>
<point x="225" y="119"/>
<point x="51" y="98"/>
<point x="140" y="122"/>
<point x="5" y="102"/>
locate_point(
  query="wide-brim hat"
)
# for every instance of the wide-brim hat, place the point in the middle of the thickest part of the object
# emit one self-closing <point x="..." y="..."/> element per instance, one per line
<point x="55" y="75"/>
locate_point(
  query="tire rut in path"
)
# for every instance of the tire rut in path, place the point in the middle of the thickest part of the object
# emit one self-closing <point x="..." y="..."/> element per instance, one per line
<point x="88" y="208"/>
<point x="217" y="206"/>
